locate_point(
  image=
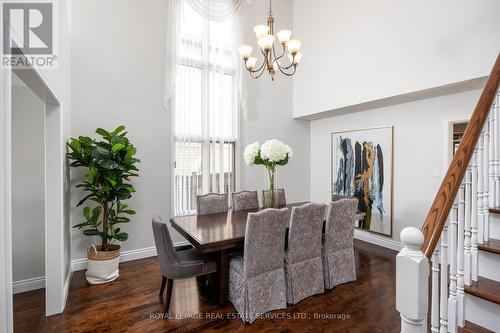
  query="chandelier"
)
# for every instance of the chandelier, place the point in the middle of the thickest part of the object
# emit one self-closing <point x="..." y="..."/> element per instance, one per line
<point x="266" y="40"/>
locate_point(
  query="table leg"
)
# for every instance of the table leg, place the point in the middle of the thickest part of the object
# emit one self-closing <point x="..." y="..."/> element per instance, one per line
<point x="222" y="278"/>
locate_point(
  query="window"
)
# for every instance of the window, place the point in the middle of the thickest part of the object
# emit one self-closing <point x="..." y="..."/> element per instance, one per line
<point x="205" y="109"/>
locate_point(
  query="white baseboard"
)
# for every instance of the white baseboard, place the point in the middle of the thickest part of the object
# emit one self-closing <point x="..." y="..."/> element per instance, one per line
<point x="377" y="240"/>
<point x="67" y="285"/>
<point x="80" y="264"/>
<point x="28" y="285"/>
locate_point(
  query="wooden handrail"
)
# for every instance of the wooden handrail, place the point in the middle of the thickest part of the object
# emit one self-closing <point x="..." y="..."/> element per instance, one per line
<point x="436" y="218"/>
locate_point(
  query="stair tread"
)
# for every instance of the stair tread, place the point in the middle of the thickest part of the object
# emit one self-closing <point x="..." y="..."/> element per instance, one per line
<point x="492" y="245"/>
<point x="473" y="328"/>
<point x="495" y="210"/>
<point x="486" y="289"/>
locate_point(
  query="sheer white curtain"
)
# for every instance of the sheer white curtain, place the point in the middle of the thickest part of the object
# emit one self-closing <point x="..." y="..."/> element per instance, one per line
<point x="217" y="10"/>
<point x="203" y="95"/>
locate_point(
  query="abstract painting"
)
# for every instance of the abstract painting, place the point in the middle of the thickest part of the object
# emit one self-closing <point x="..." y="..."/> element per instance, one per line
<point x="362" y="167"/>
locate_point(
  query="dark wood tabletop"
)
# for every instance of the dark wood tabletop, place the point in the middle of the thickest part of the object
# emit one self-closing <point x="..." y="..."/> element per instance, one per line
<point x="215" y="232"/>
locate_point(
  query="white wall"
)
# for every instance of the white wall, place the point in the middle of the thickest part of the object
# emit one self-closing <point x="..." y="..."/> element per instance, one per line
<point x="28" y="188"/>
<point x="118" y="78"/>
<point x="420" y="151"/>
<point x="57" y="80"/>
<point x="361" y="51"/>
<point x="5" y="280"/>
<point x="118" y="66"/>
<point x="269" y="112"/>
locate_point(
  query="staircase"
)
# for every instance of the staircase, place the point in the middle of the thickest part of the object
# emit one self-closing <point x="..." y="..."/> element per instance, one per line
<point x="448" y="273"/>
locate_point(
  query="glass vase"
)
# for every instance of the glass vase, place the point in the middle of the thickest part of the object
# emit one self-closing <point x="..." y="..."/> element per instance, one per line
<point x="270" y="201"/>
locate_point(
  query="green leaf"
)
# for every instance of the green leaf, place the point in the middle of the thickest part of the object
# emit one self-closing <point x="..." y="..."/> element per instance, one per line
<point x="109" y="164"/>
<point x="91" y="175"/>
<point x="96" y="212"/>
<point x="81" y="225"/>
<point x="128" y="211"/>
<point x="75" y="145"/>
<point x="92" y="232"/>
<point x="118" y="130"/>
<point x="98" y="200"/>
<point x="85" y="140"/>
<point x="117" y="147"/>
<point x="100" y="153"/>
<point x="122" y="236"/>
<point x="84" y="199"/>
<point x="86" y="213"/>
<point x="102" y="132"/>
<point x="111" y="181"/>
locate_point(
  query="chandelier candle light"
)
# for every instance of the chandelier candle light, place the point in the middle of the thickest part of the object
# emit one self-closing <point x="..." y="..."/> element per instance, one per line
<point x="271" y="154"/>
<point x="265" y="39"/>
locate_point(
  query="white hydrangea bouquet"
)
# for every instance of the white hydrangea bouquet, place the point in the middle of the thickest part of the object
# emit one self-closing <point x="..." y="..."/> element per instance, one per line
<point x="271" y="154"/>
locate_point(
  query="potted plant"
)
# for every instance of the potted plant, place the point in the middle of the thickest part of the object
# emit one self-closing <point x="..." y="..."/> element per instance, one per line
<point x="271" y="154"/>
<point x="109" y="163"/>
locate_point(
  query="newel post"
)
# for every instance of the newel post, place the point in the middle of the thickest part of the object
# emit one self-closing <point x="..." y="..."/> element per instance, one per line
<point x="412" y="282"/>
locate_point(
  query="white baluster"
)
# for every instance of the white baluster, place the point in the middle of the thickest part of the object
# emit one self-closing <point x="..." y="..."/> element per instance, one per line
<point x="480" y="188"/>
<point x="474" y="215"/>
<point x="412" y="282"/>
<point x="467" y="228"/>
<point x="443" y="289"/>
<point x="460" y="256"/>
<point x="486" y="181"/>
<point x="491" y="162"/>
<point x="435" y="292"/>
<point x="452" y="299"/>
<point x="496" y="151"/>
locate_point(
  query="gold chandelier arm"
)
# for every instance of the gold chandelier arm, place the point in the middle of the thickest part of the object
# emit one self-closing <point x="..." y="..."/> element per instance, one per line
<point x="282" y="70"/>
<point x="289" y="66"/>
<point x="281" y="56"/>
<point x="262" y="69"/>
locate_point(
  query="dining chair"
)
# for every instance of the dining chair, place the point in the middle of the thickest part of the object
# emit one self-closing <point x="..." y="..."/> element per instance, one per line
<point x="303" y="265"/>
<point x="359" y="215"/>
<point x="177" y="264"/>
<point x="336" y="197"/>
<point x="245" y="200"/>
<point x="337" y="250"/>
<point x="279" y="196"/>
<point x="257" y="279"/>
<point x="211" y="203"/>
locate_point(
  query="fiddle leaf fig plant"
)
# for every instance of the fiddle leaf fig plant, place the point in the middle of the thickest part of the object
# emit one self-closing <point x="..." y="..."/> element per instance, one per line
<point x="110" y="163"/>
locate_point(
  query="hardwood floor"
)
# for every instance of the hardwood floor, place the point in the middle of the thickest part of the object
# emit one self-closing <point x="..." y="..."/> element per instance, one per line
<point x="131" y="304"/>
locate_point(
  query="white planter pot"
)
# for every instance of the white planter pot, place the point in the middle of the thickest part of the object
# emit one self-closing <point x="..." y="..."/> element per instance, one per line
<point x="102" y="266"/>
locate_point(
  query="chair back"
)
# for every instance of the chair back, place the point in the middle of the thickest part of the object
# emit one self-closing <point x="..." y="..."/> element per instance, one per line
<point x="339" y="228"/>
<point x="245" y="200"/>
<point x="336" y="197"/>
<point x="279" y="196"/>
<point x="211" y="203"/>
<point x="304" y="234"/>
<point x="264" y="248"/>
<point x="167" y="256"/>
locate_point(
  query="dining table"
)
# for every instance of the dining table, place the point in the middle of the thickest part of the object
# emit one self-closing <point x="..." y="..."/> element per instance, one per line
<point x="220" y="235"/>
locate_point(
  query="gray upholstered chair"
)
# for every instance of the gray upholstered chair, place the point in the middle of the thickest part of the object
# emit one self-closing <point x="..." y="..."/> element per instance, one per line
<point x="336" y="197"/>
<point x="257" y="280"/>
<point x="245" y="200"/>
<point x="337" y="250"/>
<point x="175" y="264"/>
<point x="303" y="265"/>
<point x="211" y="203"/>
<point x="279" y="196"/>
